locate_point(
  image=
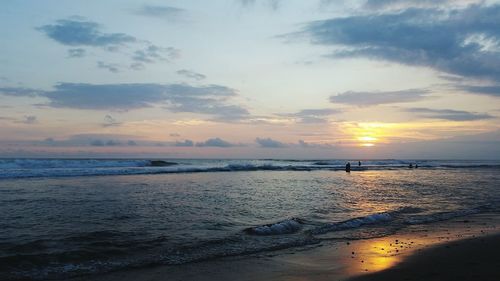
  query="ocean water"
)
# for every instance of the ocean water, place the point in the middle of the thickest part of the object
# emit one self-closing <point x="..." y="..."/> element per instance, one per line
<point x="62" y="218"/>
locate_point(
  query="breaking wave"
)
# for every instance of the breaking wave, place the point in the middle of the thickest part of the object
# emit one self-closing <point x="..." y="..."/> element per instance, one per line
<point x="26" y="168"/>
<point x="282" y="227"/>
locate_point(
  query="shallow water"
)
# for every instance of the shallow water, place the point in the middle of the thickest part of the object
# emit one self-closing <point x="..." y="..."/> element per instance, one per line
<point x="53" y="227"/>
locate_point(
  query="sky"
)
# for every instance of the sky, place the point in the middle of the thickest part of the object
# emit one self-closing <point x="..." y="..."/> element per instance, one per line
<point x="250" y="79"/>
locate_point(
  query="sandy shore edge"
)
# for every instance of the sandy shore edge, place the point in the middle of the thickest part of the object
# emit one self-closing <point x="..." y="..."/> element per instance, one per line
<point x="451" y="250"/>
<point x="469" y="259"/>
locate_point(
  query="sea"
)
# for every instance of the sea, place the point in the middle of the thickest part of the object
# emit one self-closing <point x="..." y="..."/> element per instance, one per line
<point x="61" y="218"/>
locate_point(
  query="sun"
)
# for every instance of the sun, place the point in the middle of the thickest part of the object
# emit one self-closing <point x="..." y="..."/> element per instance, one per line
<point x="367" y="140"/>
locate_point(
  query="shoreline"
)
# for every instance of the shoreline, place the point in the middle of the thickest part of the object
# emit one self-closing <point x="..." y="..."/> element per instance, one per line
<point x="336" y="259"/>
<point x="469" y="259"/>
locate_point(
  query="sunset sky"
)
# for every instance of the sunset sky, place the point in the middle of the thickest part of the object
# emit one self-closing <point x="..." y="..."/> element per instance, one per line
<point x="250" y="79"/>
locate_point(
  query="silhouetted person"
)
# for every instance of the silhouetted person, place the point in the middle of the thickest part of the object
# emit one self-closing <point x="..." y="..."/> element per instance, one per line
<point x="410" y="166"/>
<point x="416" y="165"/>
<point x="348" y="167"/>
<point x="359" y="163"/>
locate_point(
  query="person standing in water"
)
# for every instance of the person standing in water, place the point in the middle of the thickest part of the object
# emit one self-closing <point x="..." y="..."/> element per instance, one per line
<point x="359" y="163"/>
<point x="348" y="167"/>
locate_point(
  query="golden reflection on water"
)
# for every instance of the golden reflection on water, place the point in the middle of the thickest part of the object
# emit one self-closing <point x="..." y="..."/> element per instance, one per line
<point x="373" y="256"/>
<point x="382" y="253"/>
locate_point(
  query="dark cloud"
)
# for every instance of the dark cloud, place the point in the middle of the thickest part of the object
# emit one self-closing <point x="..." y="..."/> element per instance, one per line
<point x="377" y="98"/>
<point x="448" y="114"/>
<point x="111" y="67"/>
<point x="484" y="90"/>
<point x="208" y="99"/>
<point x="80" y="33"/>
<point x="185" y="143"/>
<point x="215" y="142"/>
<point x="312" y="116"/>
<point x="131" y="143"/>
<point x="99" y="142"/>
<point x="269" y="143"/>
<point x="76" y="53"/>
<point x="191" y="74"/>
<point x="305" y="144"/>
<point x="383" y="4"/>
<point x="112" y="143"/>
<point x="109" y="121"/>
<point x="76" y="32"/>
<point x="453" y="41"/>
<point x="131" y="96"/>
<point x="163" y="12"/>
<point x="153" y="53"/>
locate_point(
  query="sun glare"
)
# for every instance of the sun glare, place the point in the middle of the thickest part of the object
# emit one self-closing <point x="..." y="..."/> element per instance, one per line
<point x="367" y="139"/>
<point x="367" y="144"/>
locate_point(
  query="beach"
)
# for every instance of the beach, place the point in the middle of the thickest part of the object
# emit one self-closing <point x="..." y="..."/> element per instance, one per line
<point x="249" y="140"/>
<point x="465" y="248"/>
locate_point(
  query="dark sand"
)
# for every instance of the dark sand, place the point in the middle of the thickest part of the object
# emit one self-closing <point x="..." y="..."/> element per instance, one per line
<point x="471" y="259"/>
<point x="460" y="249"/>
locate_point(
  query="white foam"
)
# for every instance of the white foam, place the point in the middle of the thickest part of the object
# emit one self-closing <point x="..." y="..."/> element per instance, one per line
<point x="353" y="223"/>
<point x="282" y="227"/>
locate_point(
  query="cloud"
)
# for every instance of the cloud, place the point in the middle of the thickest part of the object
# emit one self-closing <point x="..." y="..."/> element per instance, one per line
<point x="185" y="143"/>
<point x="99" y="142"/>
<point x="131" y="143"/>
<point x="191" y="74"/>
<point x="208" y="99"/>
<point x="214" y="142"/>
<point x="29" y="119"/>
<point x="312" y="116"/>
<point x="77" y="32"/>
<point x="153" y="53"/>
<point x="305" y="144"/>
<point x="448" y="114"/>
<point x="210" y="106"/>
<point x="463" y="42"/>
<point x="269" y="143"/>
<point x="76" y="53"/>
<point x="111" y="67"/>
<point x="164" y="12"/>
<point x="19" y="92"/>
<point x="131" y="96"/>
<point x="109" y="121"/>
<point x="484" y="90"/>
<point x="273" y="4"/>
<point x="377" y="98"/>
<point x="384" y="4"/>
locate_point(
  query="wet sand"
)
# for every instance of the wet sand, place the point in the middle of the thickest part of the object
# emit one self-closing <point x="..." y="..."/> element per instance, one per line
<point x="460" y="249"/>
<point x="470" y="259"/>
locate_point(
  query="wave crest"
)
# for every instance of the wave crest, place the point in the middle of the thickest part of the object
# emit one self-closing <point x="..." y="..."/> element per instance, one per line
<point x="282" y="227"/>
